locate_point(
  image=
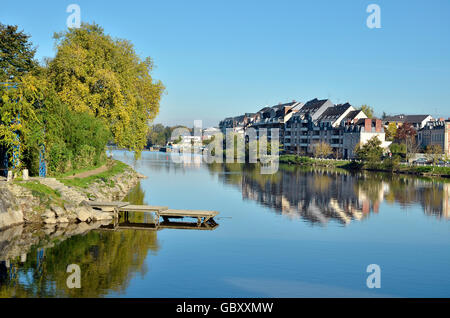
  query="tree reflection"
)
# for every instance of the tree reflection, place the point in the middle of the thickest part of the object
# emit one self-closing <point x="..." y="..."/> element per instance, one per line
<point x="108" y="260"/>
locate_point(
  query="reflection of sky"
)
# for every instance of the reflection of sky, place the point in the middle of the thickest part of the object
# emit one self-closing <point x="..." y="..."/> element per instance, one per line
<point x="254" y="247"/>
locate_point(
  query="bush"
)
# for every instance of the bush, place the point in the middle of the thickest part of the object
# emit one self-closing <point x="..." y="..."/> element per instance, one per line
<point x="85" y="157"/>
<point x="58" y="158"/>
<point x="393" y="163"/>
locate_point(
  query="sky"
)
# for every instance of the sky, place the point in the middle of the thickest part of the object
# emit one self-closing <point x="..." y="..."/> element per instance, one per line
<point x="223" y="58"/>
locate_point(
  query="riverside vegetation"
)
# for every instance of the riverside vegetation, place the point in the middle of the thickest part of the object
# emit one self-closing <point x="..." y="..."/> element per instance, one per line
<point x="63" y="199"/>
<point x="95" y="91"/>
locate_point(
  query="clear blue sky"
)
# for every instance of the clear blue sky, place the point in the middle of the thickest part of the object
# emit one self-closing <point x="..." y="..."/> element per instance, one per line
<point x="223" y="58"/>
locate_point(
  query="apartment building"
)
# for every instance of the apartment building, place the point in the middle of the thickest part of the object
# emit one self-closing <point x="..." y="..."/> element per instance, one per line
<point x="320" y="121"/>
<point x="435" y="133"/>
<point x="303" y="126"/>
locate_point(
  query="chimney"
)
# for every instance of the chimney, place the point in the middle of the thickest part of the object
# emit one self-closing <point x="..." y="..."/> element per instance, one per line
<point x="378" y="125"/>
<point x="367" y="125"/>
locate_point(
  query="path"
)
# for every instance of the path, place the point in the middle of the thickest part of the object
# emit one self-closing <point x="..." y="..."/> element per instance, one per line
<point x="89" y="173"/>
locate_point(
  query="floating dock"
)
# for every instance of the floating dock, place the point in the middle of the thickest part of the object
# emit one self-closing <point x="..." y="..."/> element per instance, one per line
<point x="203" y="217"/>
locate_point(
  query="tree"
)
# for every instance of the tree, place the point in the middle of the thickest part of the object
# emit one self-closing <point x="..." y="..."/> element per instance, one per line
<point x="16" y="53"/>
<point x="367" y="110"/>
<point x="398" y="149"/>
<point x="371" y="151"/>
<point x="434" y="153"/>
<point x="94" y="73"/>
<point x="407" y="134"/>
<point x="322" y="150"/>
<point x="17" y="108"/>
<point x="391" y="131"/>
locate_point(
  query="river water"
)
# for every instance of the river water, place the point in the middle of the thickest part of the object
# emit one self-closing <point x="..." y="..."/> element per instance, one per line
<point x="297" y="233"/>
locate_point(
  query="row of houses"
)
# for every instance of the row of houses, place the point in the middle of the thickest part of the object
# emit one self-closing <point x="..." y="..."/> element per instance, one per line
<point x="430" y="132"/>
<point x="304" y="125"/>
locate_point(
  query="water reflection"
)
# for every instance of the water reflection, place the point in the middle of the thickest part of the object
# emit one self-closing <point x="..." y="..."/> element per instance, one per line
<point x="320" y="195"/>
<point x="34" y="259"/>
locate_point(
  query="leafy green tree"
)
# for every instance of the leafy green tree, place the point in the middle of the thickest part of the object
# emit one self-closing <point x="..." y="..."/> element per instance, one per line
<point x="94" y="73"/>
<point x="16" y="53"/>
<point x="398" y="149"/>
<point x="367" y="110"/>
<point x="17" y="108"/>
<point x="391" y="131"/>
<point x="371" y="152"/>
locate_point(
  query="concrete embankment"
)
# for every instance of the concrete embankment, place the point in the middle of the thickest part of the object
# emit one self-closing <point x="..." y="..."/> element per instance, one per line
<point x="51" y="201"/>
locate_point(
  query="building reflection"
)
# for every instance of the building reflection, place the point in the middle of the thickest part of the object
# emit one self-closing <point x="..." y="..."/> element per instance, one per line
<point x="321" y="195"/>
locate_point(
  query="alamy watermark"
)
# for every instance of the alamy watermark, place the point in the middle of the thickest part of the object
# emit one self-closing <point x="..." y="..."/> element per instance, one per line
<point x="374" y="279"/>
<point x="74" y="19"/>
<point x="374" y="19"/>
<point x="74" y="279"/>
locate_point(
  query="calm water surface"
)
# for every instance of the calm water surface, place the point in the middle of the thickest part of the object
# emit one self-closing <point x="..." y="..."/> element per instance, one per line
<point x="298" y="233"/>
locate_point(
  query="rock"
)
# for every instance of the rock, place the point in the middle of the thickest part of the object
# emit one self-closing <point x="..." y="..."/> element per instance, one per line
<point x="83" y="214"/>
<point x="49" y="229"/>
<point x="85" y="203"/>
<point x="100" y="216"/>
<point x="69" y="207"/>
<point x="79" y="229"/>
<point x="63" y="220"/>
<point x="72" y="216"/>
<point x="59" y="211"/>
<point x="48" y="215"/>
<point x="50" y="221"/>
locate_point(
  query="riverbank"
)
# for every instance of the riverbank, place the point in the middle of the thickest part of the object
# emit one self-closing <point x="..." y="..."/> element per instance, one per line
<point x="389" y="166"/>
<point x="61" y="200"/>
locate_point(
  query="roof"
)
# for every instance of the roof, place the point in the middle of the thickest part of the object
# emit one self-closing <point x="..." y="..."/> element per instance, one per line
<point x="352" y="114"/>
<point x="406" y="118"/>
<point x="277" y="107"/>
<point x="313" y="105"/>
<point x="335" y="112"/>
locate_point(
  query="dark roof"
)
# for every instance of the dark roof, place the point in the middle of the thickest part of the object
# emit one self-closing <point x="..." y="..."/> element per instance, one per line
<point x="406" y="118"/>
<point x="276" y="107"/>
<point x="312" y="105"/>
<point x="335" y="112"/>
<point x="351" y="115"/>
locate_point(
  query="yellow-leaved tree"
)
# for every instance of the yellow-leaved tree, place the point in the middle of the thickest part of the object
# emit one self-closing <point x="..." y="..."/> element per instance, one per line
<point x="95" y="73"/>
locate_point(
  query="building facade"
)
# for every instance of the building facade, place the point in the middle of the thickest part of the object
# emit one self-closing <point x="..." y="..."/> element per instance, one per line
<point x="303" y="126"/>
<point x="435" y="133"/>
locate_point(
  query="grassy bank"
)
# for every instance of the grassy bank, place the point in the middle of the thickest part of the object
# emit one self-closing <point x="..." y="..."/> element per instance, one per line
<point x="307" y="161"/>
<point x="388" y="165"/>
<point x="114" y="167"/>
<point x="46" y="195"/>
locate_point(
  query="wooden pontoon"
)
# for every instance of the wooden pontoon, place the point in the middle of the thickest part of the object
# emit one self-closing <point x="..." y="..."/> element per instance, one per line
<point x="160" y="211"/>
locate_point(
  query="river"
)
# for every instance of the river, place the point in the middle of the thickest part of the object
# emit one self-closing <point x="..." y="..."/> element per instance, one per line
<point x="301" y="232"/>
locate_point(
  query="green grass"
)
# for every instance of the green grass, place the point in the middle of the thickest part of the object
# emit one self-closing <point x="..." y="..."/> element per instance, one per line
<point x="307" y="161"/>
<point x="76" y="171"/>
<point x="45" y="194"/>
<point x="40" y="189"/>
<point x="116" y="168"/>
